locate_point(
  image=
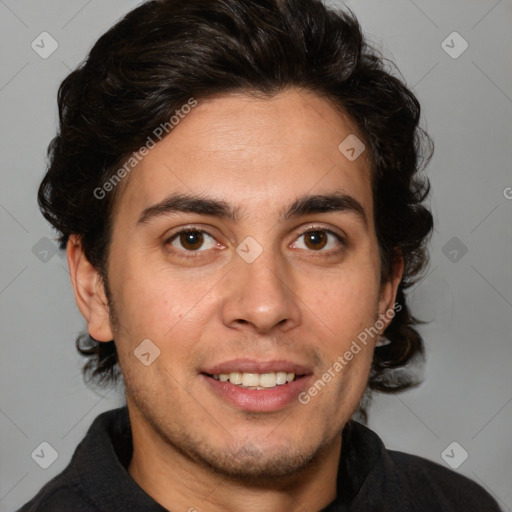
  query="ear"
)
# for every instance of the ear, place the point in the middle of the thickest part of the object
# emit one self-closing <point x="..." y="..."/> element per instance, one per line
<point x="89" y="291"/>
<point x="389" y="290"/>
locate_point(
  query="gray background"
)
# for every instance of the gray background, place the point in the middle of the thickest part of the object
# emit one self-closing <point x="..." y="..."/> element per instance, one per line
<point x="467" y="104"/>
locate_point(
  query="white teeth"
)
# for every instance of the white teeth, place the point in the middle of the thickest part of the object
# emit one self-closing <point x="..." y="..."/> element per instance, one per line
<point x="281" y="377"/>
<point x="268" y="380"/>
<point x="234" y="377"/>
<point x="256" y="380"/>
<point x="250" y="379"/>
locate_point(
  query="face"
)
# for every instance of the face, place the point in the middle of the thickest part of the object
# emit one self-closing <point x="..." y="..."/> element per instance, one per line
<point x="244" y="244"/>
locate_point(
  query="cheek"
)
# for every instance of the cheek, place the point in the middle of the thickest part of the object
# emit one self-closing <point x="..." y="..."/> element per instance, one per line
<point x="171" y="314"/>
<point x="157" y="304"/>
<point x="341" y="307"/>
<point x="346" y="299"/>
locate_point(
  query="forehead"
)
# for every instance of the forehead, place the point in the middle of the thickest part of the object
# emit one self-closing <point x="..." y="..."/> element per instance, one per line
<point x="258" y="153"/>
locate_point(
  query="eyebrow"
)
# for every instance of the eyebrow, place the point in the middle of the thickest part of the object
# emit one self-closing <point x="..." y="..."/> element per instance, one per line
<point x="304" y="205"/>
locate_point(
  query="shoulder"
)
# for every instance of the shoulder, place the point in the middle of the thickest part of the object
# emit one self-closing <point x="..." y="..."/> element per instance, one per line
<point x="94" y="462"/>
<point x="57" y="498"/>
<point x="443" y="484"/>
<point x="383" y="479"/>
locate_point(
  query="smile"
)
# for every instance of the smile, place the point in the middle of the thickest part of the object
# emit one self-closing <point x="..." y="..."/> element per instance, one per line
<point x="256" y="380"/>
<point x="257" y="398"/>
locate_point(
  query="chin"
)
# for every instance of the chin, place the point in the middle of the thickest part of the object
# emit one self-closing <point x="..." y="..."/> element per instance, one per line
<point x="255" y="463"/>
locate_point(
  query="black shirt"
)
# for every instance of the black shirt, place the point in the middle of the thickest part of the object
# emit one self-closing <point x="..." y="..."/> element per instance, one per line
<point x="370" y="477"/>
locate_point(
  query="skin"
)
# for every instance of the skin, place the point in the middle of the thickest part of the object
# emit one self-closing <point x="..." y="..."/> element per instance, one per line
<point x="297" y="301"/>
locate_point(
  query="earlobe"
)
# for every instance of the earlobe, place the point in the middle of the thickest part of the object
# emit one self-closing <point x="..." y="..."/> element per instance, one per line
<point x="89" y="291"/>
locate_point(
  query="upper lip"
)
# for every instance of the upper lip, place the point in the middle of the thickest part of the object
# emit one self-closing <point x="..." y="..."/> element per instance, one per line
<point x="254" y="366"/>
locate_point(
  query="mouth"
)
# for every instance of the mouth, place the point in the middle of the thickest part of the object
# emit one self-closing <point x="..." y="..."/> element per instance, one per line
<point x="257" y="381"/>
<point x="257" y="387"/>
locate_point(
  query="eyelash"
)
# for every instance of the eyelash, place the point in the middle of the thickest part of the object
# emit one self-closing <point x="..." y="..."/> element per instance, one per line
<point x="194" y="254"/>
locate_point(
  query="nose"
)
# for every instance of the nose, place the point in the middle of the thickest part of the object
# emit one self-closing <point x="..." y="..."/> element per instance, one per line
<point x="260" y="296"/>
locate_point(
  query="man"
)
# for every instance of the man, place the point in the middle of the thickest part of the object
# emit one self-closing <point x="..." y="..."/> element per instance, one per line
<point x="237" y="187"/>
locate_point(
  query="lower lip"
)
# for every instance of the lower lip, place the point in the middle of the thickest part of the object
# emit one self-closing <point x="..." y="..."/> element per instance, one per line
<point x="259" y="400"/>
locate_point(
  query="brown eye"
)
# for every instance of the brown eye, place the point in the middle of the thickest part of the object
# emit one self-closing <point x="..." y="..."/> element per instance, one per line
<point x="315" y="239"/>
<point x="192" y="240"/>
<point x="320" y="240"/>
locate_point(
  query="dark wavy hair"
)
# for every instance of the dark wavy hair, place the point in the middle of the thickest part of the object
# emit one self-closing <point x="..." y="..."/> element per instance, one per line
<point x="165" y="52"/>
